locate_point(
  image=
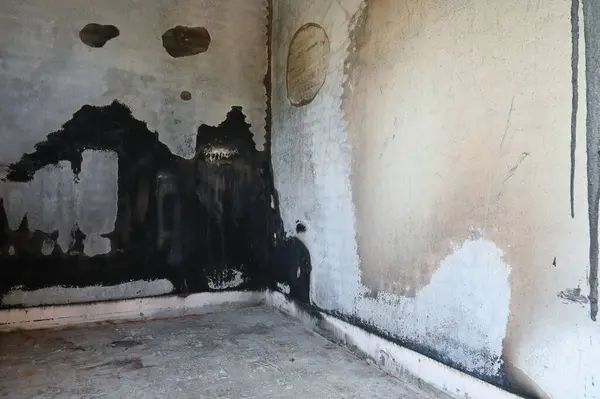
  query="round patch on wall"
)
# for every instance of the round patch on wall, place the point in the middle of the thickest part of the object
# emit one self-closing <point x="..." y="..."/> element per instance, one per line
<point x="185" y="95"/>
<point x="183" y="41"/>
<point x="307" y="64"/>
<point x="96" y="35"/>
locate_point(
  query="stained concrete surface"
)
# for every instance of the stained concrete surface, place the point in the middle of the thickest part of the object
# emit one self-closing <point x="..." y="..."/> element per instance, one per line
<point x="239" y="353"/>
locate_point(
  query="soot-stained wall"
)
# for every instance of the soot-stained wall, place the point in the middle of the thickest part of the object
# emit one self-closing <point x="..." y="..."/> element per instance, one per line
<point x="132" y="152"/>
<point x="436" y="169"/>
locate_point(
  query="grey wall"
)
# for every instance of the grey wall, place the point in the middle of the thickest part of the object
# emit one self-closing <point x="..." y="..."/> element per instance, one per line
<point x="433" y="172"/>
<point x="47" y="74"/>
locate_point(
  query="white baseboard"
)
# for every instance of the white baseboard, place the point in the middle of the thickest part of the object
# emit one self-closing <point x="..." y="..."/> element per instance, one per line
<point x="392" y="358"/>
<point x="44" y="317"/>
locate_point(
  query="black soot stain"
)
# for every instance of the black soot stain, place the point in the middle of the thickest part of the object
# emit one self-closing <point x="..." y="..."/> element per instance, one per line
<point x="192" y="221"/>
<point x="591" y="28"/>
<point x="183" y="41"/>
<point x="96" y="35"/>
<point x="574" y="96"/>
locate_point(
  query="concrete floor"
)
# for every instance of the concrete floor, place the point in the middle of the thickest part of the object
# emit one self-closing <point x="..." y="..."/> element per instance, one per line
<point x="240" y="353"/>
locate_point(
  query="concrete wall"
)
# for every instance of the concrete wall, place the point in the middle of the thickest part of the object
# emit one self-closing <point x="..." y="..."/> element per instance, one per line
<point x="433" y="173"/>
<point x="47" y="74"/>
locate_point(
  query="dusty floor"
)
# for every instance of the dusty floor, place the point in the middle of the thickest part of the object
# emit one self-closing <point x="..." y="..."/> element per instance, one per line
<point x="241" y="353"/>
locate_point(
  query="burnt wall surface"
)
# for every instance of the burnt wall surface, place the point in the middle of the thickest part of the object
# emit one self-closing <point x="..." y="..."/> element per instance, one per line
<point x="133" y="153"/>
<point x="202" y="223"/>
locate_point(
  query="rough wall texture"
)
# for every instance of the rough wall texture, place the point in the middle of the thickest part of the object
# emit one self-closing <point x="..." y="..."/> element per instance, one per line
<point x="433" y="173"/>
<point x="130" y="149"/>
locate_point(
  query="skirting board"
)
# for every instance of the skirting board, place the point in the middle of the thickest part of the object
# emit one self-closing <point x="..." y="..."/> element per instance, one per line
<point x="61" y="316"/>
<point x="392" y="358"/>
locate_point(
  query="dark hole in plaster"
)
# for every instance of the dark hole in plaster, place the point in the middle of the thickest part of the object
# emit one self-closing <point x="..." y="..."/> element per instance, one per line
<point x="186" y="95"/>
<point x="183" y="41"/>
<point x="300" y="227"/>
<point x="96" y="35"/>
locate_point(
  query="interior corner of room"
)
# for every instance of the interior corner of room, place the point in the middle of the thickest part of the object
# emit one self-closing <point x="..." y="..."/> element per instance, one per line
<point x="192" y="186"/>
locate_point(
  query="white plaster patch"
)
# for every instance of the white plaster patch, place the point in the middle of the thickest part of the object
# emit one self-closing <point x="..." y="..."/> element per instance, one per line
<point x="63" y="295"/>
<point x="48" y="247"/>
<point x="48" y="201"/>
<point x="284" y="288"/>
<point x="96" y="197"/>
<point x="94" y="245"/>
<point x="216" y="154"/>
<point x="462" y="313"/>
<point x="235" y="281"/>
<point x="57" y="200"/>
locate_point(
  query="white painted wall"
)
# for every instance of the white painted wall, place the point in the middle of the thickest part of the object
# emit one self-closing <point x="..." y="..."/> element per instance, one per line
<point x="433" y="172"/>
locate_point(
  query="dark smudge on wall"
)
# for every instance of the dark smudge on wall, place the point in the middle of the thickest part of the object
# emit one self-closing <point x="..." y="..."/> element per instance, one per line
<point x="182" y="41"/>
<point x="591" y="23"/>
<point x="574" y="94"/>
<point x="192" y="221"/>
<point x="96" y="35"/>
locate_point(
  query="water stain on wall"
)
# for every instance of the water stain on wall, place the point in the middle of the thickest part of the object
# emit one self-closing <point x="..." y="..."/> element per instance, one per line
<point x="183" y="41"/>
<point x="198" y="223"/>
<point x="96" y="35"/>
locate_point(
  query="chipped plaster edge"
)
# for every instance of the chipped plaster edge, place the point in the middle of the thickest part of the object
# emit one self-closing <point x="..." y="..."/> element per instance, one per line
<point x="392" y="358"/>
<point x="45" y="317"/>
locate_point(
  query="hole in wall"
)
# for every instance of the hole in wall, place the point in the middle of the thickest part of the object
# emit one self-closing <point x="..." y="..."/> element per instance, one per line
<point x="96" y="35"/>
<point x="183" y="41"/>
<point x="186" y="95"/>
<point x="300" y="227"/>
<point x="307" y="64"/>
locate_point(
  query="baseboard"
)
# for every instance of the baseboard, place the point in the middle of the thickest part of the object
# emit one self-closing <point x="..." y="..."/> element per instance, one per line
<point x="61" y="316"/>
<point x="394" y="359"/>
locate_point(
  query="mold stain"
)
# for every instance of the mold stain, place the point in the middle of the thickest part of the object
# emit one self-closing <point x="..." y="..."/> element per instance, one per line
<point x="200" y="223"/>
<point x="183" y="41"/>
<point x="96" y="35"/>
